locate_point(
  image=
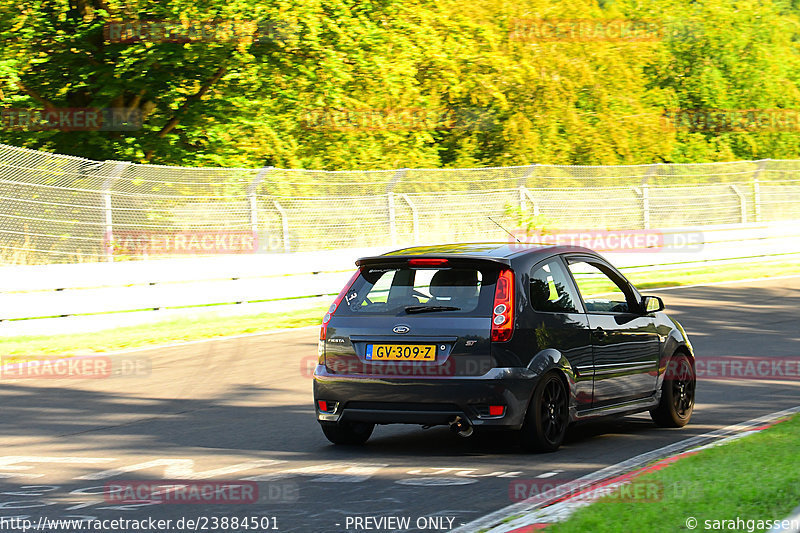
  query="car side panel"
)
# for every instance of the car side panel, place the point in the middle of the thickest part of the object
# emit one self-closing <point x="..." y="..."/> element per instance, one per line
<point x="565" y="333"/>
<point x="626" y="357"/>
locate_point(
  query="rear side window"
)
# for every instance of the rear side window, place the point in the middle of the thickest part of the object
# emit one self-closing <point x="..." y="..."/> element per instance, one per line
<point x="601" y="293"/>
<point x="551" y="290"/>
<point x="401" y="291"/>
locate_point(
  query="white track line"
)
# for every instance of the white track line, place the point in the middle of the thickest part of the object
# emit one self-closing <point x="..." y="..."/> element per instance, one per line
<point x="495" y="518"/>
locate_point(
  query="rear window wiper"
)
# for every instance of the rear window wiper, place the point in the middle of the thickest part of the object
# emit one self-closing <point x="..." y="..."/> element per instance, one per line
<point x="430" y="308"/>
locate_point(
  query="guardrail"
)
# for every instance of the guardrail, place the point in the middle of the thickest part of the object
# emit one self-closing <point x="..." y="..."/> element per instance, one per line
<point x="60" y="298"/>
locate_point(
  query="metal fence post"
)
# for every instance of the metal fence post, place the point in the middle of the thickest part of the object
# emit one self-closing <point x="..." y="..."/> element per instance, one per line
<point x="523" y="180"/>
<point x="284" y="224"/>
<point x="392" y="224"/>
<point x="529" y="195"/>
<point x="398" y="175"/>
<point x="646" y="205"/>
<point x="414" y="217"/>
<point x="252" y="196"/>
<point x="108" y="237"/>
<point x="652" y="171"/>
<point x="742" y="203"/>
<point x="757" y="200"/>
<point x="757" y="189"/>
<point x="523" y="191"/>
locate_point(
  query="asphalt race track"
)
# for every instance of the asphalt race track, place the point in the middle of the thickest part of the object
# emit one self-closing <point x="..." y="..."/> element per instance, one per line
<point x="240" y="409"/>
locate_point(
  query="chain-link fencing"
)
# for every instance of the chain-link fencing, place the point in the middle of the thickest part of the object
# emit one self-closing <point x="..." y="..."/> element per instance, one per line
<point x="64" y="209"/>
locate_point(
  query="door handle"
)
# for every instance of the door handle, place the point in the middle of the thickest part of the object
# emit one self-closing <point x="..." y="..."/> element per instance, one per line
<point x="599" y="333"/>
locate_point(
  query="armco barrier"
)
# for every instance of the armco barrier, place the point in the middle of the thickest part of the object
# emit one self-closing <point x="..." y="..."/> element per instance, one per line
<point x="279" y="282"/>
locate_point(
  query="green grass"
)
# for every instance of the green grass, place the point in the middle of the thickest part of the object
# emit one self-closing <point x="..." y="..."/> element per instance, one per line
<point x="181" y="329"/>
<point x="755" y="478"/>
<point x="691" y="275"/>
<point x="185" y="329"/>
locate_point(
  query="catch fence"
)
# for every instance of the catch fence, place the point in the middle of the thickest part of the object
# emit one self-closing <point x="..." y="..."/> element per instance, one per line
<point x="64" y="209"/>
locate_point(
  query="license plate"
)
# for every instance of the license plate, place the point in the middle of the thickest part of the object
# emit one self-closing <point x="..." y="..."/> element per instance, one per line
<point x="401" y="352"/>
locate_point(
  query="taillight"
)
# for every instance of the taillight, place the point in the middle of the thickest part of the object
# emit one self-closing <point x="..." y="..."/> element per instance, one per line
<point x="503" y="309"/>
<point x="427" y="262"/>
<point x="323" y="331"/>
<point x="496" y="410"/>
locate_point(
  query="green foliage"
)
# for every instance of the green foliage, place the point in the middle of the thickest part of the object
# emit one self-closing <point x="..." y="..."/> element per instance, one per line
<point x="317" y="84"/>
<point x="526" y="220"/>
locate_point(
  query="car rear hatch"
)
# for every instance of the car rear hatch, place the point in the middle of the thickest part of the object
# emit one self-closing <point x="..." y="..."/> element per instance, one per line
<point x="414" y="317"/>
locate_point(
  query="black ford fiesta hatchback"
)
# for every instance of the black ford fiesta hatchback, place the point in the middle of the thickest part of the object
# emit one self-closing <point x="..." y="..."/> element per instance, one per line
<point x="497" y="336"/>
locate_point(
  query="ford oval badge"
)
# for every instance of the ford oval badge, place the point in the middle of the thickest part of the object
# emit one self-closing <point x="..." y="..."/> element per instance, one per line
<point x="401" y="329"/>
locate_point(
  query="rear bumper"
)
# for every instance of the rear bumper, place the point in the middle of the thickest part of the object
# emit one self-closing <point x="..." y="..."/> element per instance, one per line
<point x="425" y="401"/>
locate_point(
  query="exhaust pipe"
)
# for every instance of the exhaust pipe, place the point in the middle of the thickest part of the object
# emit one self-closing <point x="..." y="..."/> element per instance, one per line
<point x="461" y="426"/>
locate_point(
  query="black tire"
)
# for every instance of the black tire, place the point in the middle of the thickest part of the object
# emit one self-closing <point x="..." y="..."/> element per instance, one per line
<point x="677" y="394"/>
<point x="347" y="432"/>
<point x="548" y="416"/>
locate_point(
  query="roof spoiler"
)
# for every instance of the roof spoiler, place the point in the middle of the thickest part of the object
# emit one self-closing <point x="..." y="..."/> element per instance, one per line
<point x="403" y="260"/>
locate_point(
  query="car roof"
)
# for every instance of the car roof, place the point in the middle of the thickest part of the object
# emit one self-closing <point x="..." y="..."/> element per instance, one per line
<point x="493" y="251"/>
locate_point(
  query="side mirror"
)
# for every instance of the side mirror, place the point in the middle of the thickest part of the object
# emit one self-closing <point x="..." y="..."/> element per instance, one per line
<point x="652" y="304"/>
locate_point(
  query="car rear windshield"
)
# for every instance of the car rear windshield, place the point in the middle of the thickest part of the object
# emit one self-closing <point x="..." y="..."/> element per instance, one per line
<point x="405" y="291"/>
